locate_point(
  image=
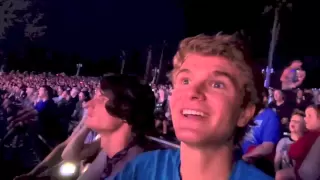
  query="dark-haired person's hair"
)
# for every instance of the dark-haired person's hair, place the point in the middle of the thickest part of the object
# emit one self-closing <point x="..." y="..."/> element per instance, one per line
<point x="62" y="88"/>
<point x="49" y="91"/>
<point x="298" y="112"/>
<point x="131" y="100"/>
<point x="67" y="92"/>
<point x="87" y="96"/>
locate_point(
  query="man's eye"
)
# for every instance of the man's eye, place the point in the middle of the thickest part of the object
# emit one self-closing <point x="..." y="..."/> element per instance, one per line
<point x="218" y="85"/>
<point x="185" y="81"/>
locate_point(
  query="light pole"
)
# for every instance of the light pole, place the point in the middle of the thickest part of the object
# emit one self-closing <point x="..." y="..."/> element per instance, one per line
<point x="79" y="66"/>
<point x="149" y="58"/>
<point x="276" y="7"/>
<point x="160" y="61"/>
<point x="155" y="72"/>
<point x="123" y="61"/>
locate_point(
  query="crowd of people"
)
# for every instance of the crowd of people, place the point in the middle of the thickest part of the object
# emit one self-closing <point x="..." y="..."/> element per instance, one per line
<point x="227" y="124"/>
<point x="40" y="111"/>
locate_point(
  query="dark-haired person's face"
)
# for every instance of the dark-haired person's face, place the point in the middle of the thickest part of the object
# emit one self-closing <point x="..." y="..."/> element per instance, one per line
<point x="206" y="100"/>
<point x="300" y="94"/>
<point x="98" y="118"/>
<point x="64" y="94"/>
<point x="277" y="95"/>
<point x="74" y="92"/>
<point x="42" y="92"/>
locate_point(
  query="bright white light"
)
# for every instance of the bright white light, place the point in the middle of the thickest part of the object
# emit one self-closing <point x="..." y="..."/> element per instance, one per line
<point x="97" y="137"/>
<point x="85" y="168"/>
<point x="68" y="169"/>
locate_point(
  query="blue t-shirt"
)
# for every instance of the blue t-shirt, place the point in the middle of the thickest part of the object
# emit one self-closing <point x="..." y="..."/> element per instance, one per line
<point x="266" y="129"/>
<point x="165" y="165"/>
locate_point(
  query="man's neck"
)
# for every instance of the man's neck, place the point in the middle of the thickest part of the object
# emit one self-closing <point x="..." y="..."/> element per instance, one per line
<point x="45" y="99"/>
<point x="209" y="163"/>
<point x="114" y="142"/>
<point x="279" y="102"/>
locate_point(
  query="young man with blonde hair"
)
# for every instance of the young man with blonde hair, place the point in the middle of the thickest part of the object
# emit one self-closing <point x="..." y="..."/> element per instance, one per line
<point x="213" y="100"/>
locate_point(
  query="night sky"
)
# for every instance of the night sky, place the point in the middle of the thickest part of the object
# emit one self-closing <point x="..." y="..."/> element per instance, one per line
<point x="84" y="31"/>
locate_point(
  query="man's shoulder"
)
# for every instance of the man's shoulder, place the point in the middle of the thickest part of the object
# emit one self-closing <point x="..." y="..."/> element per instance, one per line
<point x="150" y="164"/>
<point x="270" y="115"/>
<point x="163" y="155"/>
<point x="244" y="171"/>
<point x="269" y="112"/>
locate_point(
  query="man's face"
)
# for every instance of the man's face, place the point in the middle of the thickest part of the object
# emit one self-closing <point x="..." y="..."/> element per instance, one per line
<point x="278" y="95"/>
<point x="64" y="94"/>
<point x="42" y="92"/>
<point x="74" y="92"/>
<point x="300" y="94"/>
<point x="297" y="124"/>
<point x="312" y="119"/>
<point x="29" y="91"/>
<point x="98" y="118"/>
<point x="206" y="100"/>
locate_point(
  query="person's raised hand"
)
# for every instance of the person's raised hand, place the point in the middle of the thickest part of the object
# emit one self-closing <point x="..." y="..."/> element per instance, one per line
<point x="22" y="117"/>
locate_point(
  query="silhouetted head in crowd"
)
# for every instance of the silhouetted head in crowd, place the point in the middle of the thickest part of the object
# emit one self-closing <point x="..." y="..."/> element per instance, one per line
<point x="215" y="91"/>
<point x="45" y="92"/>
<point x="84" y="96"/>
<point x="66" y="95"/>
<point x="300" y="94"/>
<point x="30" y="91"/>
<point x="60" y="90"/>
<point x="278" y="95"/>
<point x="74" y="92"/>
<point x="123" y="105"/>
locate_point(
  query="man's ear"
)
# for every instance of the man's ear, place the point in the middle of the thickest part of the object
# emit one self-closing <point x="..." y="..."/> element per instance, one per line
<point x="246" y="115"/>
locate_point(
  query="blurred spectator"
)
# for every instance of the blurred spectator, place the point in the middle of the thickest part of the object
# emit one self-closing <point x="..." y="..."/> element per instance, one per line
<point x="261" y="139"/>
<point x="297" y="130"/>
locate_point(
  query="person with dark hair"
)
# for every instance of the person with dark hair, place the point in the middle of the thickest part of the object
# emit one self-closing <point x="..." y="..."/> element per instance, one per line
<point x="48" y="123"/>
<point x="160" y="111"/>
<point x="30" y="97"/>
<point x="282" y="107"/>
<point x="214" y="98"/>
<point x="60" y="90"/>
<point x="84" y="96"/>
<point x="122" y="115"/>
<point x="54" y="158"/>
